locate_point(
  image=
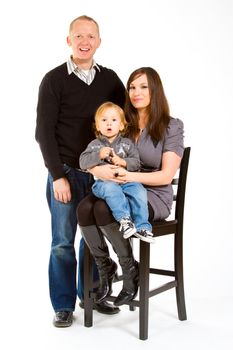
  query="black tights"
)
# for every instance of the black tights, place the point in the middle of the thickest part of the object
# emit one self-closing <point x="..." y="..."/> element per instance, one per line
<point x="94" y="211"/>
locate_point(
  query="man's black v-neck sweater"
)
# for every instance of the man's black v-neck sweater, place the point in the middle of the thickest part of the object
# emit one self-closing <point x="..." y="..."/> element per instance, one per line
<point x="65" y="114"/>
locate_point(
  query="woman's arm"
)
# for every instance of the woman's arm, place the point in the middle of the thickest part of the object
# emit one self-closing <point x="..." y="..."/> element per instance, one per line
<point x="106" y="172"/>
<point x="170" y="164"/>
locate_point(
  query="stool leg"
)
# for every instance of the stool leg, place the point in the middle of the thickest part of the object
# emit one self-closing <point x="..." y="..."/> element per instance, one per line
<point x="131" y="307"/>
<point x="88" y="301"/>
<point x="144" y="289"/>
<point x="180" y="299"/>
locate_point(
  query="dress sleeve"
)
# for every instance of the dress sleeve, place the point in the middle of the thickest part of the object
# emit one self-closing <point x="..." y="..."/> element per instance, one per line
<point x="174" y="137"/>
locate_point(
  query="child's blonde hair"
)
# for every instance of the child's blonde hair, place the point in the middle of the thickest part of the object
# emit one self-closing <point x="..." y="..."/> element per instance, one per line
<point x="102" y="108"/>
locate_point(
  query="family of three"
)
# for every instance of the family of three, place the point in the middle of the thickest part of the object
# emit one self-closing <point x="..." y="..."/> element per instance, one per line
<point x="112" y="183"/>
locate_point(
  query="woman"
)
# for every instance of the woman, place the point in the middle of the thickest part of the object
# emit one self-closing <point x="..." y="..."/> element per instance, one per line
<point x="159" y="139"/>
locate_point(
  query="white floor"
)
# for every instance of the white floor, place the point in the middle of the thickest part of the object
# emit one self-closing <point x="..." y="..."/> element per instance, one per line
<point x="209" y="326"/>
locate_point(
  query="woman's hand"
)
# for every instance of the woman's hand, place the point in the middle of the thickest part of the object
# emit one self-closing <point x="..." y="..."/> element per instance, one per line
<point x="107" y="172"/>
<point x="123" y="175"/>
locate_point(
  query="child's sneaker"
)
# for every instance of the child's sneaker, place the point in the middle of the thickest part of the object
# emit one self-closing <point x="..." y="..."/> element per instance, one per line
<point x="127" y="228"/>
<point x="146" y="236"/>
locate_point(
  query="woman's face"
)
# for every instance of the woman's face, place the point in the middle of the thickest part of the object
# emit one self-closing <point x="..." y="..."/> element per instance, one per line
<point x="139" y="93"/>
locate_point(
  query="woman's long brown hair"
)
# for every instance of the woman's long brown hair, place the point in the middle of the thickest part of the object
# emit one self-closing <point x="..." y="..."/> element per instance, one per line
<point x="158" y="109"/>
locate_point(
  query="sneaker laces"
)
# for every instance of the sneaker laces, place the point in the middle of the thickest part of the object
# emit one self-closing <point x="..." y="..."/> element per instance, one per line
<point x="125" y="223"/>
<point x="146" y="233"/>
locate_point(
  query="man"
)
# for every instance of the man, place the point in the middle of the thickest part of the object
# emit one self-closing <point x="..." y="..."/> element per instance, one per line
<point x="68" y="98"/>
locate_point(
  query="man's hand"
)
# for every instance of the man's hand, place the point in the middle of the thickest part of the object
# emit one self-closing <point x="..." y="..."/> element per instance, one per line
<point x="61" y="188"/>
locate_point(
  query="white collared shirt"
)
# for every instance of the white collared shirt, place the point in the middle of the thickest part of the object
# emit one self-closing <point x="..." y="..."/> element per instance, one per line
<point x="85" y="75"/>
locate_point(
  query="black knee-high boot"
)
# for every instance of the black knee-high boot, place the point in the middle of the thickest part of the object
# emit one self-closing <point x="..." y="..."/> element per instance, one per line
<point x="107" y="268"/>
<point x="128" y="264"/>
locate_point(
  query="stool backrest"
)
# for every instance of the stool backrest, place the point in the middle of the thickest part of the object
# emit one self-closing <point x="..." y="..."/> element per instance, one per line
<point x="181" y="183"/>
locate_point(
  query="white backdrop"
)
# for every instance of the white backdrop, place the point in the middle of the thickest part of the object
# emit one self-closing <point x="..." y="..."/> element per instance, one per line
<point x="190" y="44"/>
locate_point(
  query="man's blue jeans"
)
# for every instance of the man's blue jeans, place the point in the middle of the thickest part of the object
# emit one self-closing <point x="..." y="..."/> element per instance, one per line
<point x="125" y="200"/>
<point x="62" y="263"/>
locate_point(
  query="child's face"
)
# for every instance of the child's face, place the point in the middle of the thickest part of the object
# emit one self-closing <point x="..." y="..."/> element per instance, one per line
<point x="109" y="124"/>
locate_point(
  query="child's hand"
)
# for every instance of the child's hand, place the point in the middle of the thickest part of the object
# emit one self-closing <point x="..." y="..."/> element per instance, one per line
<point x="116" y="160"/>
<point x="105" y="152"/>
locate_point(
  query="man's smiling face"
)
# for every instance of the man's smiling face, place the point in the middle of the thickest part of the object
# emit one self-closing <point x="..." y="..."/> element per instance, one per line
<point x="84" y="39"/>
